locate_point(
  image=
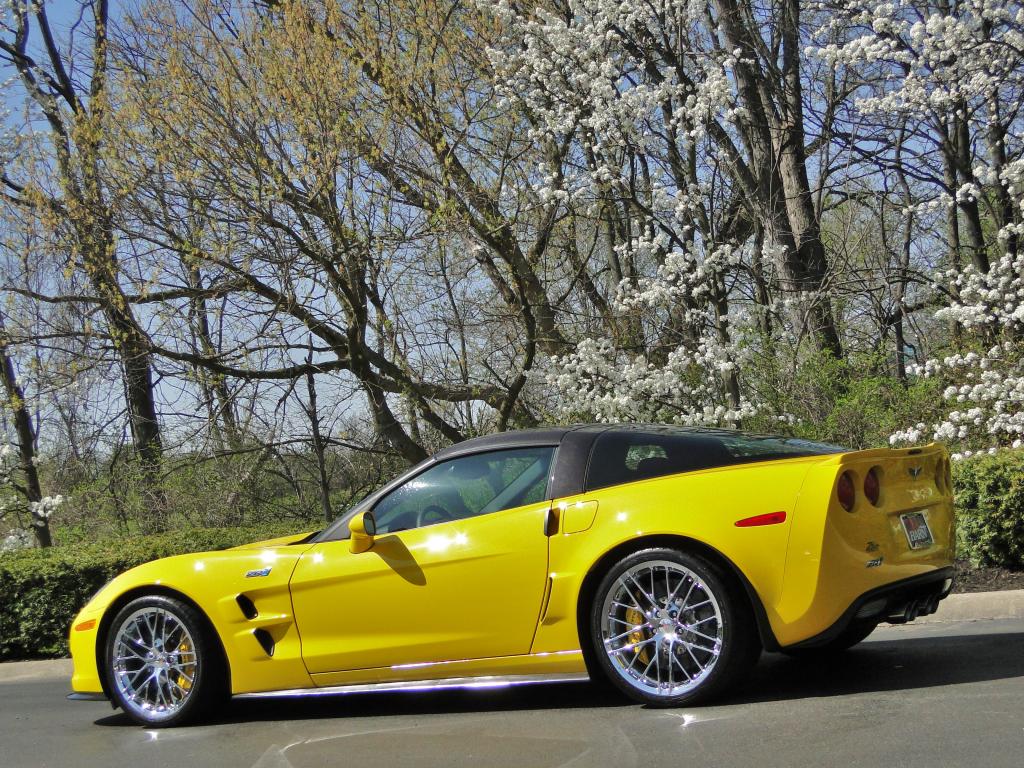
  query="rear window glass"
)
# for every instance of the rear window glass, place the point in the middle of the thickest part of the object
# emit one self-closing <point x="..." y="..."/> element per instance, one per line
<point x="627" y="456"/>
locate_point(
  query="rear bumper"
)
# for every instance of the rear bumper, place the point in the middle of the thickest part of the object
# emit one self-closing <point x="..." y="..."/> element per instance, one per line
<point x="898" y="602"/>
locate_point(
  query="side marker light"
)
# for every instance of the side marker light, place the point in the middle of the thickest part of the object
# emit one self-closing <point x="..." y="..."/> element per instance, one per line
<point x="770" y="518"/>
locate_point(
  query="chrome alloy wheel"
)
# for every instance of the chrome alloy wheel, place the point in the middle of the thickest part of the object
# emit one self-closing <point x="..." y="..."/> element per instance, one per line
<point x="154" y="663"/>
<point x="661" y="627"/>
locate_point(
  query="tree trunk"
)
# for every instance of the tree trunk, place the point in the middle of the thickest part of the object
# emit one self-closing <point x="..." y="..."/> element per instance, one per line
<point x="803" y="221"/>
<point x="318" y="446"/>
<point x="215" y="389"/>
<point x="997" y="152"/>
<point x="773" y="134"/>
<point x="26" y="440"/>
<point x="972" y="213"/>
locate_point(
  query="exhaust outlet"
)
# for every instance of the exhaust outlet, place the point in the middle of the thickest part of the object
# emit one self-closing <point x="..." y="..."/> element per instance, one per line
<point x="911" y="611"/>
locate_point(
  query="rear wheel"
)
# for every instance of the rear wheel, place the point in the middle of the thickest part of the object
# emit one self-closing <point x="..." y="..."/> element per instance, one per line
<point x="667" y="628"/>
<point x="162" y="662"/>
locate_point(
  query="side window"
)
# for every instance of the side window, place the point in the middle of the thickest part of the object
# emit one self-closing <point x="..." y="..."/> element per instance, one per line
<point x="625" y="457"/>
<point x="638" y="452"/>
<point x="466" y="487"/>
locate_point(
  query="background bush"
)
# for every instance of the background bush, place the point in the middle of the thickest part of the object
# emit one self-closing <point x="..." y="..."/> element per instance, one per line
<point x="41" y="590"/>
<point x="990" y="509"/>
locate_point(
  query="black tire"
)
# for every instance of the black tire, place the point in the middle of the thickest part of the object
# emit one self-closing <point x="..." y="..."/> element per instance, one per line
<point x="163" y="664"/>
<point x="849" y="637"/>
<point x="669" y="628"/>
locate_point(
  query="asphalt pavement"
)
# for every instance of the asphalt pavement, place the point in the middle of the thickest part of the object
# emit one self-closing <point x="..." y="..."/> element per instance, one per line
<point x="942" y="693"/>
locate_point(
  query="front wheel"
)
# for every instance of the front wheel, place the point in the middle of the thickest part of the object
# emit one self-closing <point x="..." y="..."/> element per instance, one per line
<point x="668" y="628"/>
<point x="162" y="663"/>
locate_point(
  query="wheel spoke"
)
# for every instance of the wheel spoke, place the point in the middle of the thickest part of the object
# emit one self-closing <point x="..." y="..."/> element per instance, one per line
<point x="700" y="666"/>
<point x="629" y="593"/>
<point x="701" y="648"/>
<point x="634" y="607"/>
<point x="675" y="591"/>
<point x="150" y="628"/>
<point x="650" y="598"/>
<point x="692" y="631"/>
<point x="671" y="682"/>
<point x="631" y="648"/>
<point x="650" y="663"/>
<point x="134" y="654"/>
<point x="675" y="660"/>
<point x="633" y="630"/>
<point x="138" y="673"/>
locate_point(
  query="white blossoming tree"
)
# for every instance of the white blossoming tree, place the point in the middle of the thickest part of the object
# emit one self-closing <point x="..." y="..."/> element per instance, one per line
<point x="689" y="160"/>
<point x="952" y="74"/>
<point x="985" y="386"/>
<point x="26" y="522"/>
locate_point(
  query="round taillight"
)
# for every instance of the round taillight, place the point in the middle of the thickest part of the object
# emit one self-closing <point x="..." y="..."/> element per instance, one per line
<point x="846" y="492"/>
<point x="871" y="486"/>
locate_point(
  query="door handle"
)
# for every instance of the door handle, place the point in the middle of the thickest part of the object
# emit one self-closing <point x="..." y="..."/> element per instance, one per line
<point x="551" y="521"/>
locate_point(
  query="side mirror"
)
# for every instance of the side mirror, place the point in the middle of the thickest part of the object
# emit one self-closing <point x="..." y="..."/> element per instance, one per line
<point x="362" y="528"/>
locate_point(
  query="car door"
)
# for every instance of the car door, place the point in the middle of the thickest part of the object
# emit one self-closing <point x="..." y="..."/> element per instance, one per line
<point x="457" y="569"/>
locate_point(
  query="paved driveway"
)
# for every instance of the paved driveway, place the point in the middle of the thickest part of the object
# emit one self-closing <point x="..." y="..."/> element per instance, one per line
<point x="943" y="694"/>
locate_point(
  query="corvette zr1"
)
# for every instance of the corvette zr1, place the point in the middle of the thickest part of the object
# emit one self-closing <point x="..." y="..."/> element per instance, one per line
<point x="660" y="559"/>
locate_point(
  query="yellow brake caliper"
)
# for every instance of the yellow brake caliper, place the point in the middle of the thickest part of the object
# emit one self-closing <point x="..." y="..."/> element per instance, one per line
<point x="183" y="682"/>
<point x="635" y="617"/>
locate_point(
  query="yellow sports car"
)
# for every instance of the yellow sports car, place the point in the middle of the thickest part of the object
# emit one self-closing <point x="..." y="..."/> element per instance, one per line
<point x="662" y="559"/>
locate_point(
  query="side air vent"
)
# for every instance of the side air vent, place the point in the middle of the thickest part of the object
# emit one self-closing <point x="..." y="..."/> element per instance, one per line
<point x="265" y="641"/>
<point x="248" y="607"/>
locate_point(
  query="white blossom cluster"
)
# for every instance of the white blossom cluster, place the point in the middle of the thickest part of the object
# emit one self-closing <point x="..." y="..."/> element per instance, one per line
<point x="924" y="62"/>
<point x="39" y="512"/>
<point x="16" y="539"/>
<point x="985" y="388"/>
<point x="609" y="385"/>
<point x="43" y="509"/>
<point x="575" y="74"/>
<point x="945" y="61"/>
<point x="573" y="71"/>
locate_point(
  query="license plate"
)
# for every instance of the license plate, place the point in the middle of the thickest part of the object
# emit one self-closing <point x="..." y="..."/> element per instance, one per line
<point x="915" y="525"/>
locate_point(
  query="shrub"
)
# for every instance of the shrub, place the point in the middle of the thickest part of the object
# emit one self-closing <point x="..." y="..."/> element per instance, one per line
<point x="990" y="509"/>
<point x="41" y="590"/>
<point x="854" y="402"/>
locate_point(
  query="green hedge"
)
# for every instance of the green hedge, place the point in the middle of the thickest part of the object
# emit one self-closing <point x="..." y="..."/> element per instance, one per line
<point x="990" y="509"/>
<point x="41" y="590"/>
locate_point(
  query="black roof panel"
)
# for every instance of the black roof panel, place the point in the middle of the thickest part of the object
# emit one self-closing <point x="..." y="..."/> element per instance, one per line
<point x="500" y="440"/>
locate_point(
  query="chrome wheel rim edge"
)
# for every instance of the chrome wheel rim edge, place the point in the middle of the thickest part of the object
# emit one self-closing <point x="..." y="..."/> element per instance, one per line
<point x="154" y="663"/>
<point x="678" y="642"/>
